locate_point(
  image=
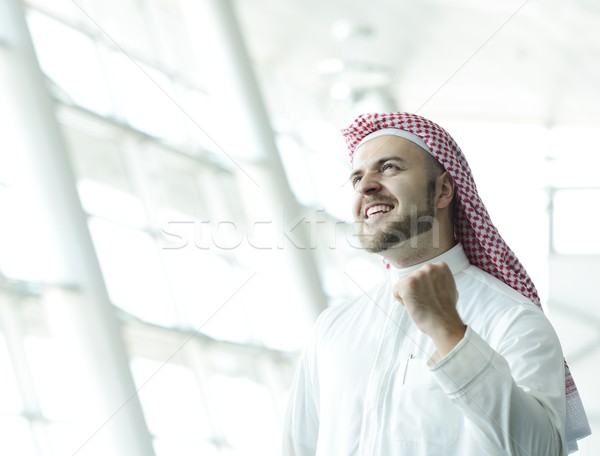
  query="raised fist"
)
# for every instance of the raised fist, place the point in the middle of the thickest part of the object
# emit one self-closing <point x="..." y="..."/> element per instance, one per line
<point x="429" y="295"/>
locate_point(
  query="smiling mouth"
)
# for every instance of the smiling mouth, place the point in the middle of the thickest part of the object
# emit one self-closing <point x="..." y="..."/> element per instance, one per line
<point x="377" y="211"/>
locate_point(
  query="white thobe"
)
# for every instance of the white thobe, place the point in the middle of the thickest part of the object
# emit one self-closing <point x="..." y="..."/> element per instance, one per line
<point x="364" y="385"/>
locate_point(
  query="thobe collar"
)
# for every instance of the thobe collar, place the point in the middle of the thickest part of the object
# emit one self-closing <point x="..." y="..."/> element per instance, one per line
<point x="455" y="258"/>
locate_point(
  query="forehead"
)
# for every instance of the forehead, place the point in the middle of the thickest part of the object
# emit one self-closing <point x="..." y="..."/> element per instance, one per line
<point x="387" y="147"/>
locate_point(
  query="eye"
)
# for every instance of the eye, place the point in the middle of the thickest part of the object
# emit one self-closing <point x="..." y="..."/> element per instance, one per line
<point x="389" y="166"/>
<point x="355" y="181"/>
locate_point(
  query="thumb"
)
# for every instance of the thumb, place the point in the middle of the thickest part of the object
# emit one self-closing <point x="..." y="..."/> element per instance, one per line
<point x="398" y="298"/>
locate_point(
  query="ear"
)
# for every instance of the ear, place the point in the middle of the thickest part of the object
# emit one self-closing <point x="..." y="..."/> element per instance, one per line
<point x="445" y="190"/>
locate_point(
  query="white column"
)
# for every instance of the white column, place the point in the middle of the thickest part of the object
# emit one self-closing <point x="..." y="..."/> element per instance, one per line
<point x="249" y="137"/>
<point x="47" y="169"/>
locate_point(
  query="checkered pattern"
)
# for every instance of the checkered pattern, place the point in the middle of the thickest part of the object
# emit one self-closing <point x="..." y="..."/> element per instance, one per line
<point x="473" y="228"/>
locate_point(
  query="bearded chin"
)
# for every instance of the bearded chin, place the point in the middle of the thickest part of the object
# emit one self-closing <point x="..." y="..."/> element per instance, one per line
<point x="381" y="241"/>
<point x="397" y="232"/>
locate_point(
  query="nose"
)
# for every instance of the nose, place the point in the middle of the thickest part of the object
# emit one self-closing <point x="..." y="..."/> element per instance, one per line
<point x="368" y="184"/>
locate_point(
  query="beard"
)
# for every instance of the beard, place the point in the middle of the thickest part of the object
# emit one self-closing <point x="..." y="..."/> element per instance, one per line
<point x="403" y="228"/>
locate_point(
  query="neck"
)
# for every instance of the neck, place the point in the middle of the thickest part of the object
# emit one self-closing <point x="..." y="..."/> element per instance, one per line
<point x="418" y="249"/>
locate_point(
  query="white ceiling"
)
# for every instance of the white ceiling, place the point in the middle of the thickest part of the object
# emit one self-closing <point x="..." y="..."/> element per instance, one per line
<point x="528" y="62"/>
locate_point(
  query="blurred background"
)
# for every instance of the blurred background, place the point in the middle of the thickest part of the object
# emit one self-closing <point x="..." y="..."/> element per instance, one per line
<point x="175" y="211"/>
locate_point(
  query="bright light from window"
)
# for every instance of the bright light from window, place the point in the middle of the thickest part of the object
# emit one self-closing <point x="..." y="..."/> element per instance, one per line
<point x="147" y="98"/>
<point x="201" y="283"/>
<point x="10" y="396"/>
<point x="69" y="58"/>
<point x="184" y="447"/>
<point x="16" y="437"/>
<point x="575" y="221"/>
<point x="132" y="271"/>
<point x="79" y="438"/>
<point x="104" y="201"/>
<point x="299" y="175"/>
<point x="171" y="400"/>
<point x="24" y="234"/>
<point x="246" y="414"/>
<point x="57" y="381"/>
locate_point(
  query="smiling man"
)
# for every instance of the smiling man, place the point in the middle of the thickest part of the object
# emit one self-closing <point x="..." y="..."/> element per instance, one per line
<point x="450" y="354"/>
<point x="406" y="209"/>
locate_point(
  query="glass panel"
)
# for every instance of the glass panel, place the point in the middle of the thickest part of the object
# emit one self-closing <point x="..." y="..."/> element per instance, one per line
<point x="171" y="400"/>
<point x="24" y="235"/>
<point x="95" y="155"/>
<point x="132" y="271"/>
<point x="297" y="170"/>
<point x="10" y="396"/>
<point x="281" y="320"/>
<point x="12" y="261"/>
<point x="172" y="182"/>
<point x="146" y="98"/>
<point x="171" y="43"/>
<point x="16" y="437"/>
<point x="184" y="447"/>
<point x="64" y="9"/>
<point x="223" y="196"/>
<point x="570" y="162"/>
<point x="199" y="119"/>
<point x="113" y="204"/>
<point x="80" y="439"/>
<point x="69" y="58"/>
<point x="204" y="286"/>
<point x="247" y="414"/>
<point x="57" y="383"/>
<point x="334" y="193"/>
<point x="122" y="22"/>
<point x="575" y="221"/>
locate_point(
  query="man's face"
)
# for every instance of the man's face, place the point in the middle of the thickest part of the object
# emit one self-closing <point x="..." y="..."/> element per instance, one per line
<point x="394" y="192"/>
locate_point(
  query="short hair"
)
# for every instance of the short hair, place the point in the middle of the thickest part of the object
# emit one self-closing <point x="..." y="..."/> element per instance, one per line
<point x="434" y="167"/>
<point x="434" y="170"/>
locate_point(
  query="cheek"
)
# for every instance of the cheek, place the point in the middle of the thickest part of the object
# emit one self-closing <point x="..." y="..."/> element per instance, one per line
<point x="356" y="205"/>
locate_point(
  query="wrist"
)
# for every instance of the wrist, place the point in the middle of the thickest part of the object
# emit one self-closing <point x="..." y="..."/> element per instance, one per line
<point x="447" y="338"/>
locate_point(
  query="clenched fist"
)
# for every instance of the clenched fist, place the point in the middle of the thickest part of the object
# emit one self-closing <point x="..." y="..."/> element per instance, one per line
<point x="429" y="295"/>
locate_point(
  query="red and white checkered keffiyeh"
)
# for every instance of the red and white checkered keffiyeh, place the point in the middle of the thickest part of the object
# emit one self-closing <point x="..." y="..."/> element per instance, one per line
<point x="473" y="228"/>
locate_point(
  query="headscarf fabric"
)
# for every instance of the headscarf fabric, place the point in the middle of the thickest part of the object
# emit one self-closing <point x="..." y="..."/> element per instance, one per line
<point x="473" y="228"/>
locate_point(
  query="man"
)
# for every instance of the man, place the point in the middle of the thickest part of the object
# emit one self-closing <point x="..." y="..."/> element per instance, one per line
<point x="451" y="354"/>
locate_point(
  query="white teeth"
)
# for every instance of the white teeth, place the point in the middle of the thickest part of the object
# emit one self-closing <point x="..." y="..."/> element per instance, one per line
<point x="379" y="208"/>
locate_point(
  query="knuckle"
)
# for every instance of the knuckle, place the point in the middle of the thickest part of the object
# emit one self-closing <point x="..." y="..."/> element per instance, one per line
<point x="411" y="281"/>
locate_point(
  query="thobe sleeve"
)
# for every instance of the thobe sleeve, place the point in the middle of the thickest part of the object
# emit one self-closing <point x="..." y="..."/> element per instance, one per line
<point x="513" y="396"/>
<point x="301" y="426"/>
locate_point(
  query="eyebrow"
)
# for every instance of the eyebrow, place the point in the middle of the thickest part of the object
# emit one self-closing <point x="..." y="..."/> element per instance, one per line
<point x="376" y="164"/>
